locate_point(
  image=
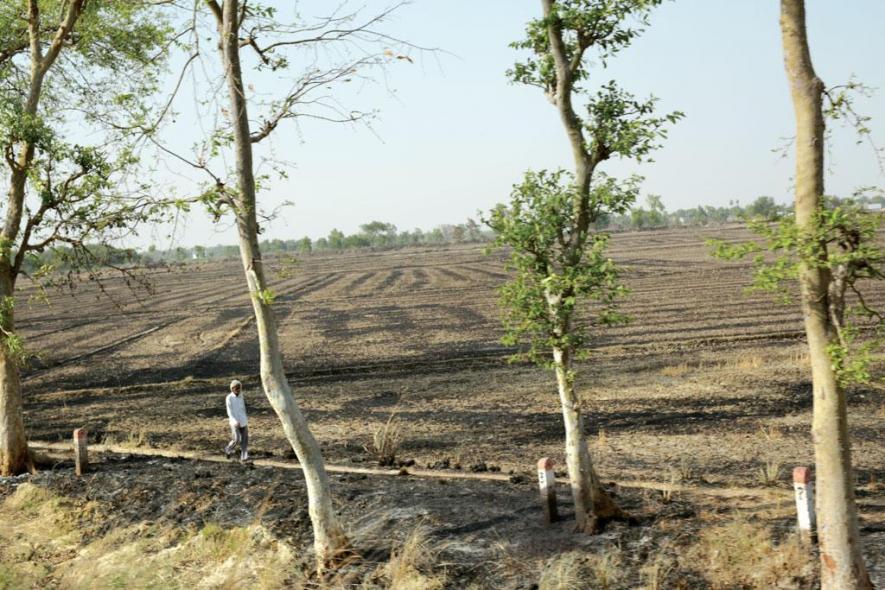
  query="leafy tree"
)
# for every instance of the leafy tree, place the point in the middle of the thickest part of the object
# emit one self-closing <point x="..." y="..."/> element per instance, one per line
<point x="336" y="239"/>
<point x="764" y="208"/>
<point x="304" y="245"/>
<point x="96" y="60"/>
<point x="558" y="260"/>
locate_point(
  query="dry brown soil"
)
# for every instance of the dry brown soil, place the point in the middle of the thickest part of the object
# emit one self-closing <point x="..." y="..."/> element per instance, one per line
<point x="708" y="386"/>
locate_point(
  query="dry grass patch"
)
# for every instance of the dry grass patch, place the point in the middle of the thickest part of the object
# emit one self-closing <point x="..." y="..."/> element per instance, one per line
<point x="411" y="565"/>
<point x="744" y="555"/>
<point x="770" y="472"/>
<point x="747" y="362"/>
<point x="577" y="571"/>
<point x="131" y="440"/>
<point x="770" y="432"/>
<point x="655" y="572"/>
<point x="41" y="546"/>
<point x="679" y="370"/>
<point x="386" y="441"/>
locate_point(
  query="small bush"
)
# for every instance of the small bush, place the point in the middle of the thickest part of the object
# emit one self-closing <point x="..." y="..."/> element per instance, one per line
<point x="770" y="472"/>
<point x="386" y="441"/>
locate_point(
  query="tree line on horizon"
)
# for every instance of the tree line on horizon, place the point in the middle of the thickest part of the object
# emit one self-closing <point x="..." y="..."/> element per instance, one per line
<point x="380" y="235"/>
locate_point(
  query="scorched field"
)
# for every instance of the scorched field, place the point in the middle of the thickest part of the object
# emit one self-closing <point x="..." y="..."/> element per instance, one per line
<point x="708" y="388"/>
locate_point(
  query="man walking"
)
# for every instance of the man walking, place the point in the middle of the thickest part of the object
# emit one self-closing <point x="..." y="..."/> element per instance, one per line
<point x="236" y="415"/>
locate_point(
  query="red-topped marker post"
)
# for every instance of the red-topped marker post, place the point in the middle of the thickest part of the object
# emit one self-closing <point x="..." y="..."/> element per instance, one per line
<point x="803" y="485"/>
<point x="547" y="483"/>
<point x="81" y="456"/>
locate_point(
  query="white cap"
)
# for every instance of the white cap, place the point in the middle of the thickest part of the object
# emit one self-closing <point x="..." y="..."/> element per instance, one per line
<point x="235" y="383"/>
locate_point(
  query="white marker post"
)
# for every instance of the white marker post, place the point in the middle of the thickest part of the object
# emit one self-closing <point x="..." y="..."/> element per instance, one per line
<point x="547" y="482"/>
<point x="804" y="487"/>
<point x="81" y="456"/>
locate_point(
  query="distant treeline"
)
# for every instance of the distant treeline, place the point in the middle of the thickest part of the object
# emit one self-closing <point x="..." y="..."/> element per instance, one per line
<point x="379" y="235"/>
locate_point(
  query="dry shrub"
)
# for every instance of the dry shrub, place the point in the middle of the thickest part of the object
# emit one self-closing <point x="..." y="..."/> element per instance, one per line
<point x="386" y="441"/>
<point x="770" y="472"/>
<point x="743" y="555"/>
<point x="577" y="571"/>
<point x="411" y="565"/>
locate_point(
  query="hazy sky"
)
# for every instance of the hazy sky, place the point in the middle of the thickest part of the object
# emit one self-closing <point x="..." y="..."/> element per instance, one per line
<point x="454" y="135"/>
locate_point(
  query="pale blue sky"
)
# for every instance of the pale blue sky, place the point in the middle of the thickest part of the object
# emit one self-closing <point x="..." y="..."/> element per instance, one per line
<point x="455" y="135"/>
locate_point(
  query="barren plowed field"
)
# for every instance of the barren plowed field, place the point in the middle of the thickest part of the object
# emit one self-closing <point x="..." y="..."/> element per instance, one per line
<point x="341" y="312"/>
<point x="707" y="386"/>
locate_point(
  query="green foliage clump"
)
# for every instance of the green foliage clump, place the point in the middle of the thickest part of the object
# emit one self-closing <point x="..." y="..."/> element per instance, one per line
<point x="550" y="276"/>
<point x="843" y="245"/>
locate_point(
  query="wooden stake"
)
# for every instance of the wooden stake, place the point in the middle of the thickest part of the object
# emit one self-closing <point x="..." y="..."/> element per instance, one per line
<point x="547" y="483"/>
<point x="81" y="455"/>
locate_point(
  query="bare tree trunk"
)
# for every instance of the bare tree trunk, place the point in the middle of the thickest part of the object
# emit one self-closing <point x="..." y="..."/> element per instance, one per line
<point x="14" y="455"/>
<point x="842" y="565"/>
<point x="329" y="537"/>
<point x="593" y="506"/>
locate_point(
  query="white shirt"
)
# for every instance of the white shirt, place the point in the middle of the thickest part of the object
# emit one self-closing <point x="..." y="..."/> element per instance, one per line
<point x="236" y="409"/>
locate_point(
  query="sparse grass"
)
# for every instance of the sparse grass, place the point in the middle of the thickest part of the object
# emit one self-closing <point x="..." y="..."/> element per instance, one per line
<point x="679" y="370"/>
<point x="770" y="472"/>
<point x="669" y="491"/>
<point x="654" y="573"/>
<point x="748" y="362"/>
<point x="744" y="555"/>
<point x="576" y="571"/>
<point x="685" y="469"/>
<point x="678" y="474"/>
<point x="771" y="432"/>
<point x="386" y="441"/>
<point x="411" y="565"/>
<point x="800" y="360"/>
<point x="41" y="528"/>
<point x="132" y="440"/>
<point x="11" y="579"/>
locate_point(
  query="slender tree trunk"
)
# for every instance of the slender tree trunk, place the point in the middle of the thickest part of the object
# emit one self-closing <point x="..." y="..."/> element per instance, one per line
<point x="842" y="565"/>
<point x="593" y="506"/>
<point x="14" y="455"/>
<point x="329" y="537"/>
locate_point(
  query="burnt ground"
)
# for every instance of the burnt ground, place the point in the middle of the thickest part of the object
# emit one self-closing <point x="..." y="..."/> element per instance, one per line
<point x="707" y="387"/>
